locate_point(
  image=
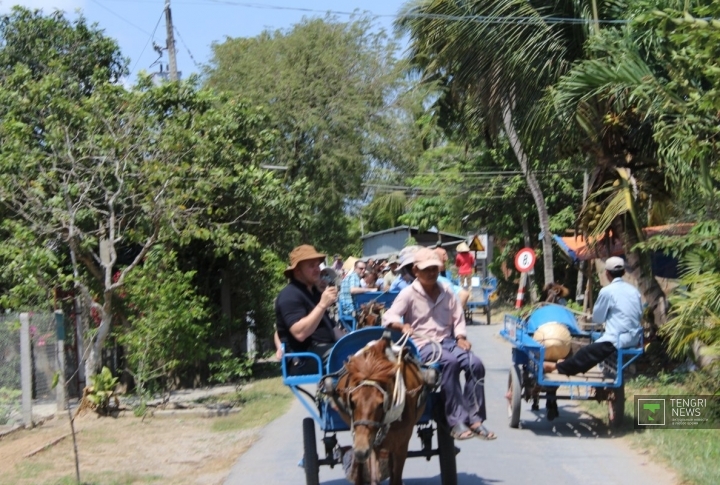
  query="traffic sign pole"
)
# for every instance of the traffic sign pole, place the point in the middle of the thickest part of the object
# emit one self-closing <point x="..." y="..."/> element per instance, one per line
<point x="521" y="291"/>
<point x="524" y="262"/>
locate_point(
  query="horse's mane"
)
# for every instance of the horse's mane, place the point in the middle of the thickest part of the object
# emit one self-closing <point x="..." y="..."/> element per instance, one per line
<point x="371" y="365"/>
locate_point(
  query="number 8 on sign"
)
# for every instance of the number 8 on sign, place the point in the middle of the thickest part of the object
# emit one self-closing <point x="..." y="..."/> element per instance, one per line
<point x="525" y="260"/>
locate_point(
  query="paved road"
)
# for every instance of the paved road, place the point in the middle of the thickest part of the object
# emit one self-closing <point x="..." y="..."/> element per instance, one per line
<point x="573" y="449"/>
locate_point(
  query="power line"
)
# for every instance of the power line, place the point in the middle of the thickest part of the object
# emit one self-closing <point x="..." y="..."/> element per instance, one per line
<point x="148" y="41"/>
<point x="121" y="17"/>
<point x="182" y="41"/>
<point x="484" y="19"/>
<point x="488" y="19"/>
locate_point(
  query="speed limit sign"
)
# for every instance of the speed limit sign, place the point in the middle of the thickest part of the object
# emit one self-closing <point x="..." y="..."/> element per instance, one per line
<point x="525" y="260"/>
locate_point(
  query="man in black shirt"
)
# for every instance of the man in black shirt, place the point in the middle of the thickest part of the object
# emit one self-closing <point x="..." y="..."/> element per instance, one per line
<point x="303" y="323"/>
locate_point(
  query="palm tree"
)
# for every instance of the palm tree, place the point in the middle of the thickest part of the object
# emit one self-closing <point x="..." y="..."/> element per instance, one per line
<point x="634" y="106"/>
<point x="494" y="67"/>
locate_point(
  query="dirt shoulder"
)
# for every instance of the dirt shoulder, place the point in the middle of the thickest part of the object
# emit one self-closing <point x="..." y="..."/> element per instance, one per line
<point x="182" y="449"/>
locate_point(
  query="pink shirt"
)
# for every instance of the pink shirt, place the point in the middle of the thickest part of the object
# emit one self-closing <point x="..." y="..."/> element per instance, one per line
<point x="440" y="319"/>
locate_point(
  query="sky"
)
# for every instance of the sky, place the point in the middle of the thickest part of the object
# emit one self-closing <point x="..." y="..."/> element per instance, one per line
<point x="198" y="22"/>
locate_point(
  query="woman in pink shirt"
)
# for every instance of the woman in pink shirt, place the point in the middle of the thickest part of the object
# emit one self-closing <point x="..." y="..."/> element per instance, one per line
<point x="431" y="309"/>
<point x="465" y="263"/>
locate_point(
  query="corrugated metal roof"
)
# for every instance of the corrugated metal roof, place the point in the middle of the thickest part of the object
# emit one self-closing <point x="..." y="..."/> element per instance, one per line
<point x="412" y="229"/>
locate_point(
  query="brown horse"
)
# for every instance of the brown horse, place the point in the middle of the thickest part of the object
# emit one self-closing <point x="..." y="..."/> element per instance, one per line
<point x="553" y="292"/>
<point x="370" y="314"/>
<point x="381" y="430"/>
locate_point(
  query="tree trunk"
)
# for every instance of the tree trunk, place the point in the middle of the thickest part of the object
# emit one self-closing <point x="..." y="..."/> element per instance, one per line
<point x="701" y="359"/>
<point x="535" y="190"/>
<point x="94" y="358"/>
<point x="640" y="268"/>
<point x="534" y="297"/>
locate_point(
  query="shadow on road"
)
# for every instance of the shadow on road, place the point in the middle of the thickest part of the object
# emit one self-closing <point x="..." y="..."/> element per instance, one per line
<point x="572" y="423"/>
<point x="463" y="479"/>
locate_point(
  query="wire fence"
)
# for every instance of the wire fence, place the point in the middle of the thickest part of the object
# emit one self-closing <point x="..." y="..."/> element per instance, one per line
<point x="43" y="365"/>
<point x="10" y="387"/>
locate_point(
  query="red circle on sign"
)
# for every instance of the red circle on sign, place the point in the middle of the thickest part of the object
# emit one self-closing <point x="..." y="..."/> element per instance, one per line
<point x="525" y="260"/>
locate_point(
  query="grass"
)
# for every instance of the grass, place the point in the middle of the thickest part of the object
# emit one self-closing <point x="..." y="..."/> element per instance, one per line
<point x="32" y="470"/>
<point x="107" y="478"/>
<point x="694" y="454"/>
<point x="264" y="401"/>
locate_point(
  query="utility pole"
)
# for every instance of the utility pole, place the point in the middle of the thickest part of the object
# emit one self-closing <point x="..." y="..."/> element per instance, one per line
<point x="170" y="43"/>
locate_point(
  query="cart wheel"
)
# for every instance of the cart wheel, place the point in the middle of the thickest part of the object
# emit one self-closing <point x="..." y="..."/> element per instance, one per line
<point x="515" y="395"/>
<point x="310" y="456"/>
<point x="616" y="406"/>
<point x="446" y="453"/>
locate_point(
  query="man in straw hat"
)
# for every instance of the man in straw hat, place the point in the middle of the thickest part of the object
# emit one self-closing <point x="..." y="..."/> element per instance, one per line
<point x="619" y="306"/>
<point x="431" y="311"/>
<point x="302" y="319"/>
<point x="465" y="263"/>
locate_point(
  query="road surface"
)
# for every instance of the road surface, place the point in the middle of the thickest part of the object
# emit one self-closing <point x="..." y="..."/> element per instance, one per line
<point x="573" y="449"/>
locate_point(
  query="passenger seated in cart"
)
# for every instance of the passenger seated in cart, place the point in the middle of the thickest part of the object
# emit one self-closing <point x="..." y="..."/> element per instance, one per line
<point x="431" y="310"/>
<point x="302" y="319"/>
<point x="619" y="306"/>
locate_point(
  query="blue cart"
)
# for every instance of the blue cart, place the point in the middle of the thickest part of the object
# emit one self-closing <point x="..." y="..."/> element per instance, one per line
<point x="480" y="299"/>
<point x="330" y="422"/>
<point x="350" y="322"/>
<point x="527" y="380"/>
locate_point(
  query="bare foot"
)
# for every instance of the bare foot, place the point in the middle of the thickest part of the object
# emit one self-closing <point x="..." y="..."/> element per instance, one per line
<point x="549" y="366"/>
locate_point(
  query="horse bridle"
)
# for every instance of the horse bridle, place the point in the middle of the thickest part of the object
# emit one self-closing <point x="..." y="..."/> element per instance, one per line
<point x="390" y="413"/>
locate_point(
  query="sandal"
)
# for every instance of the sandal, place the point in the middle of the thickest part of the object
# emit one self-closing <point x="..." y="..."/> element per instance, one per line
<point x="483" y="433"/>
<point x="461" y="432"/>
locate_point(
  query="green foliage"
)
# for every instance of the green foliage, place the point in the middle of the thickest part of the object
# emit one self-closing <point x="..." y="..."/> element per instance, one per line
<point x="230" y="368"/>
<point x="84" y="160"/>
<point x="48" y="44"/>
<point x="10" y="349"/>
<point x="331" y="90"/>
<point x="168" y="322"/>
<point x="102" y="390"/>
<point x="9" y="403"/>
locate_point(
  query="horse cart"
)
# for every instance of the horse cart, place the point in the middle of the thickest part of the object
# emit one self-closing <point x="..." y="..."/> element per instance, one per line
<point x="480" y="298"/>
<point x="368" y="309"/>
<point x="528" y="381"/>
<point x="324" y="413"/>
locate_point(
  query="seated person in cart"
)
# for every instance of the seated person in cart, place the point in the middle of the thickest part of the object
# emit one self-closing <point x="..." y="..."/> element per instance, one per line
<point x="301" y="310"/>
<point x="619" y="305"/>
<point x="431" y="310"/>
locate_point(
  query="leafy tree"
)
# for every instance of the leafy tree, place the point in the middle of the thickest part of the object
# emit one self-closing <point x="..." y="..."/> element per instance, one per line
<point x="52" y="44"/>
<point x="644" y="108"/>
<point x="168" y="325"/>
<point x="121" y="171"/>
<point x="333" y="92"/>
<point x="658" y="73"/>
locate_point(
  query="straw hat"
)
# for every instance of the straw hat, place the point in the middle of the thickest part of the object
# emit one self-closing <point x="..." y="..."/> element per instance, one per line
<point x="302" y="253"/>
<point x="463" y="248"/>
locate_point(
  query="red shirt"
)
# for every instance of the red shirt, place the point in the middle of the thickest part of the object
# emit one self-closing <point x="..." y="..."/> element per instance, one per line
<point x="465" y="263"/>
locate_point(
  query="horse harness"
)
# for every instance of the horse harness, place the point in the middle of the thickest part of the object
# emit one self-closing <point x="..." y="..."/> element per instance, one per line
<point x="393" y="406"/>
